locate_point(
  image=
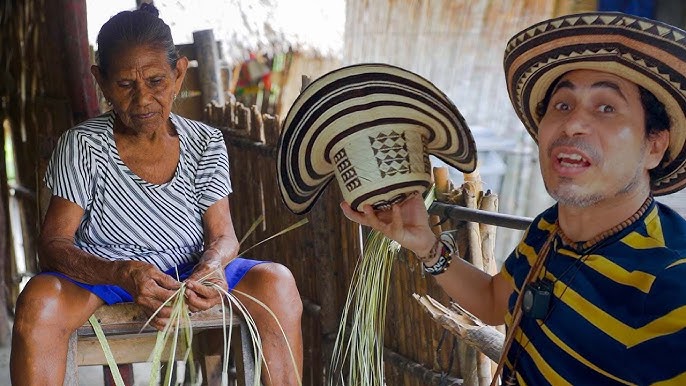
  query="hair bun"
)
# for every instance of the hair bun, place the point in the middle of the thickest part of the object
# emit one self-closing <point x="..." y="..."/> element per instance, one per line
<point x="150" y="8"/>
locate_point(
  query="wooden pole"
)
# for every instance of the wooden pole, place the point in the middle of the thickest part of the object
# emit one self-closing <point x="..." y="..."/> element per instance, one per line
<point x="208" y="67"/>
<point x="489" y="202"/>
<point x="465" y="326"/>
<point x="442" y="184"/>
<point x="469" y="357"/>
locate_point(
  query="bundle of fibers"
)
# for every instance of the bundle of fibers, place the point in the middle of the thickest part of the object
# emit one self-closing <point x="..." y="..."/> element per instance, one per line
<point x="358" y="352"/>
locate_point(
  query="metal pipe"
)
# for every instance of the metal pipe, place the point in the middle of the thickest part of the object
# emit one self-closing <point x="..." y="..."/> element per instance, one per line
<point x="460" y="213"/>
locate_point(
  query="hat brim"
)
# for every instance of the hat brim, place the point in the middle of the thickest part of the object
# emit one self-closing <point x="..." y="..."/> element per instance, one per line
<point x="646" y="52"/>
<point x="353" y="99"/>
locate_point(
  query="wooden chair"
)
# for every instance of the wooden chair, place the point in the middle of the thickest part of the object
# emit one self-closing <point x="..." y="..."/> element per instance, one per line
<point x="121" y="324"/>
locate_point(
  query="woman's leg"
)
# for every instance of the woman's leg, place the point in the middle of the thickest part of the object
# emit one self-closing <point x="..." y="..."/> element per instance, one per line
<point x="48" y="310"/>
<point x="273" y="284"/>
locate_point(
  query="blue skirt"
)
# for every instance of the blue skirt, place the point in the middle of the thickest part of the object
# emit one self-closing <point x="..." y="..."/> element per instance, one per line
<point x="112" y="294"/>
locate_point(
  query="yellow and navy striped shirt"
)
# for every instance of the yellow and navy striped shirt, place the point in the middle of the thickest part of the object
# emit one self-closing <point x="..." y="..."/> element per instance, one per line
<point x="618" y="314"/>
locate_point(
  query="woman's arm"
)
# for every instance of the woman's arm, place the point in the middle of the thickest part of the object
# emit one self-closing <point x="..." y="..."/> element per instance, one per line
<point x="148" y="286"/>
<point x="483" y="295"/>
<point x="221" y="246"/>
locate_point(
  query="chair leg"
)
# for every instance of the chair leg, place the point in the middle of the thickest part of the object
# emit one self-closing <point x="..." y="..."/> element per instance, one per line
<point x="71" y="376"/>
<point x="244" y="356"/>
<point x="126" y="371"/>
<point x="208" y="345"/>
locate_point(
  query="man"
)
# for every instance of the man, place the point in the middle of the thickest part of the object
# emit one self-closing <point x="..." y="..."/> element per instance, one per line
<point x="595" y="292"/>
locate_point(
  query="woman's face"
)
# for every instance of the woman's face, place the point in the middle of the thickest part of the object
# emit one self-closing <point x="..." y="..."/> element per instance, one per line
<point x="141" y="86"/>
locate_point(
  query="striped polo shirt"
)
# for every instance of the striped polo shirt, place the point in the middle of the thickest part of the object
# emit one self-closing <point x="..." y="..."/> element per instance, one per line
<point x="618" y="314"/>
<point x="126" y="217"/>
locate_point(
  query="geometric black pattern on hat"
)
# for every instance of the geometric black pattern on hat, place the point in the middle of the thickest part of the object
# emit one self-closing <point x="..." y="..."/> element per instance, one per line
<point x="351" y="100"/>
<point x="649" y="53"/>
<point x="390" y="151"/>
<point x="347" y="171"/>
<point x="427" y="162"/>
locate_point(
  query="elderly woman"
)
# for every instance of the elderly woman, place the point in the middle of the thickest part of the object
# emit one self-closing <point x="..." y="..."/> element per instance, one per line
<point x="139" y="194"/>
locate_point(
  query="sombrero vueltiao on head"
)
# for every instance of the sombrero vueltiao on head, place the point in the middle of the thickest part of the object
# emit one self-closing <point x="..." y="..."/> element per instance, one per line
<point x="372" y="126"/>
<point x="647" y="52"/>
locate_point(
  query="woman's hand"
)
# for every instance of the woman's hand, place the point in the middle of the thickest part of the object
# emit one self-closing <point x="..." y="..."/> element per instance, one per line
<point x="150" y="288"/>
<point x="407" y="223"/>
<point x="200" y="295"/>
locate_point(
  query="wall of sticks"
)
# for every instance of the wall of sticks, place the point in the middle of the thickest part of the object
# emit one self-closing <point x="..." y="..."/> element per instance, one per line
<point x="322" y="255"/>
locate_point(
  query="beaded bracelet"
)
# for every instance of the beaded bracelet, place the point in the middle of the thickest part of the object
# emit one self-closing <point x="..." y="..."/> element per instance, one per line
<point x="433" y="252"/>
<point x="448" y="247"/>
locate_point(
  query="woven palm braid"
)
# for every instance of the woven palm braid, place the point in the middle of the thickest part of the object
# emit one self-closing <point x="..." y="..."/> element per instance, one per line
<point x="649" y="53"/>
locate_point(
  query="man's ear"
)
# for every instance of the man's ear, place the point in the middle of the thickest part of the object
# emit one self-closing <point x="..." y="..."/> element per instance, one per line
<point x="181" y="67"/>
<point x="657" y="146"/>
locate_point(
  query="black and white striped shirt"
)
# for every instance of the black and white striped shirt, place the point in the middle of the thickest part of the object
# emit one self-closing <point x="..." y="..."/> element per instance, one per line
<point x="127" y="217"/>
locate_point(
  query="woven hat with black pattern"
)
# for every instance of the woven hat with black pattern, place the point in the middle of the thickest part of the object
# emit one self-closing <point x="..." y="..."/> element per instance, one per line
<point x="649" y="53"/>
<point x="372" y="127"/>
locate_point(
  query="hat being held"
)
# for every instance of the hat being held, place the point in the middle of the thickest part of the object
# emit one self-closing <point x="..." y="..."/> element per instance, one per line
<point x="372" y="126"/>
<point x="646" y="52"/>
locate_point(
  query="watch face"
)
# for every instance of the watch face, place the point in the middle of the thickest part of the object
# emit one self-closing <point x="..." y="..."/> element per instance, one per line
<point x="528" y="300"/>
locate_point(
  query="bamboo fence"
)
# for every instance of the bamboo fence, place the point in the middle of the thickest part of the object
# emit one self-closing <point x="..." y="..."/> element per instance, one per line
<point x="39" y="100"/>
<point x="323" y="253"/>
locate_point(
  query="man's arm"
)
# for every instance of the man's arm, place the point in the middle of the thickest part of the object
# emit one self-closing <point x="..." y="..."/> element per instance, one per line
<point x="483" y="295"/>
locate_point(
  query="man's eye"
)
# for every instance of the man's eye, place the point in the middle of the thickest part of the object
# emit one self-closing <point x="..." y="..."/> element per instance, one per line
<point x="124" y="84"/>
<point x="606" y="109"/>
<point x="562" y="106"/>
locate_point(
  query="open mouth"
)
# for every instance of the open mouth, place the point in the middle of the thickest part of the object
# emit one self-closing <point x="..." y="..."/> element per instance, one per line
<point x="572" y="160"/>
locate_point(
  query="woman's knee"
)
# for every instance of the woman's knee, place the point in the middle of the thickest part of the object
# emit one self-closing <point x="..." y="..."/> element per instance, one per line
<point x="275" y="285"/>
<point x="39" y="299"/>
<point x="45" y="303"/>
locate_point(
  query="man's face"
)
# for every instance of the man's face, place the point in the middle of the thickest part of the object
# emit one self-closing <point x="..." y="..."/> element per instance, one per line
<point x="592" y="141"/>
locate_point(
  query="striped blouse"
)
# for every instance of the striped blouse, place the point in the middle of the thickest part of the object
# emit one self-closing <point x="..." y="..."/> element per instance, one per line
<point x="126" y="217"/>
<point x="618" y="314"/>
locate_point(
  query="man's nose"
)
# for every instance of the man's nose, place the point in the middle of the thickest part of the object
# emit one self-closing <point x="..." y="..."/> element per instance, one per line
<point x="577" y="122"/>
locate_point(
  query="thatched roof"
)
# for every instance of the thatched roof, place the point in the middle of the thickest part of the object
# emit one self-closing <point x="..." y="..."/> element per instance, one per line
<point x="308" y="26"/>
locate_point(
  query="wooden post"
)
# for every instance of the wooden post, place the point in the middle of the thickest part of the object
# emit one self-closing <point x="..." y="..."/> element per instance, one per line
<point x="489" y="202"/>
<point x="442" y="183"/>
<point x="256" y="125"/>
<point x="243" y="119"/>
<point x="271" y="129"/>
<point x="305" y="81"/>
<point x="208" y="67"/>
<point x="470" y="359"/>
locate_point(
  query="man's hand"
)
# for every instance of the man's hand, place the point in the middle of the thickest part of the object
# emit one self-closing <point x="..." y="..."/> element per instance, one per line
<point x="199" y="295"/>
<point x="407" y="223"/>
